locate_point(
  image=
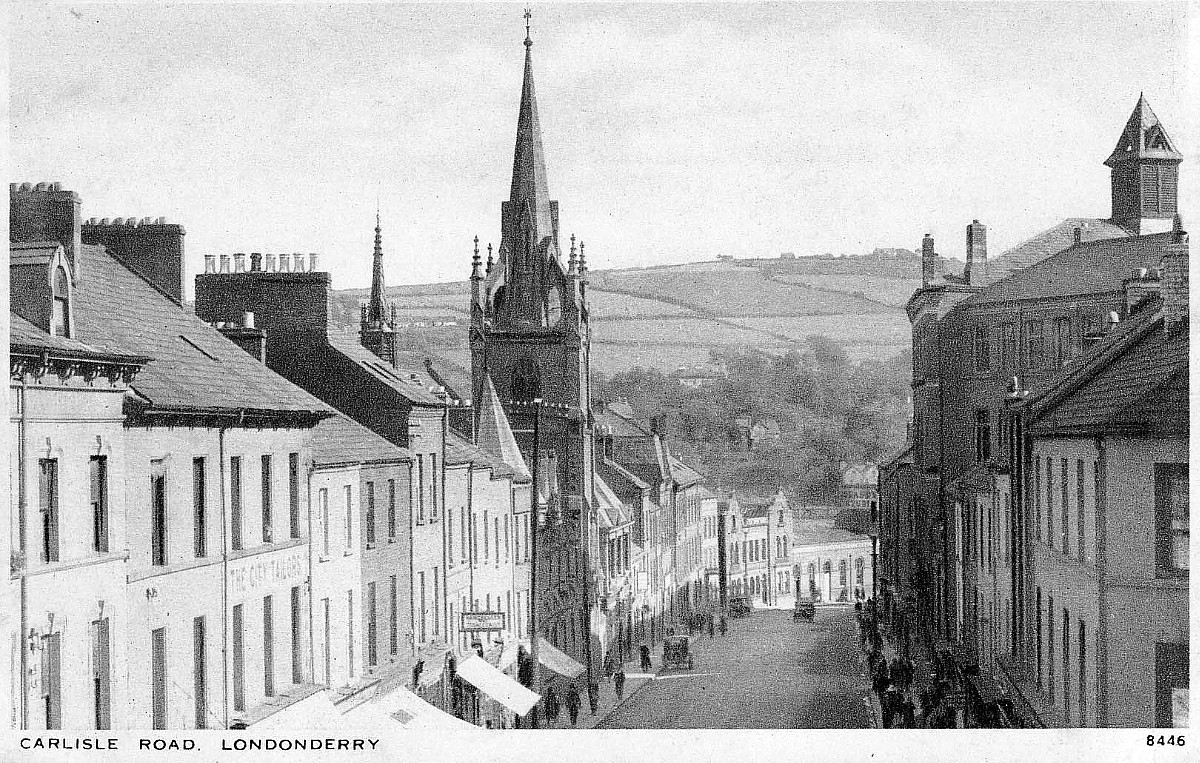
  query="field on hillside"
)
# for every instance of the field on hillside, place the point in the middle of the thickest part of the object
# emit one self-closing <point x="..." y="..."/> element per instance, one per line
<point x="889" y="291"/>
<point x="671" y="316"/>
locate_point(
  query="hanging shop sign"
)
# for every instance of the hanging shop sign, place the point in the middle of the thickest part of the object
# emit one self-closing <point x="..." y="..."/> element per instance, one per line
<point x="482" y="621"/>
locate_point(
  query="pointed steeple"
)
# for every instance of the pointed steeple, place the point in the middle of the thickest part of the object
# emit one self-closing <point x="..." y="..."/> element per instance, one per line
<point x="493" y="433"/>
<point x="376" y="312"/>
<point x="1144" y="137"/>
<point x="529" y="162"/>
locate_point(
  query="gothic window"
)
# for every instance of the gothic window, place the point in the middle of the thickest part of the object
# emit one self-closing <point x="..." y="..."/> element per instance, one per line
<point x="62" y="304"/>
<point x="526" y="384"/>
<point x="553" y="307"/>
<point x="498" y="301"/>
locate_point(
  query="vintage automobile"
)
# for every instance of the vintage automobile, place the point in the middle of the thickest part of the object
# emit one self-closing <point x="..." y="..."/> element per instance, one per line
<point x="740" y="606"/>
<point x="806" y="609"/>
<point x="676" y="653"/>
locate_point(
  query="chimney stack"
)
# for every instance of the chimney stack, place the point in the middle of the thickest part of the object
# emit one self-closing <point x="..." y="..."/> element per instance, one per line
<point x="1174" y="287"/>
<point x="152" y="247"/>
<point x="45" y="212"/>
<point x="928" y="260"/>
<point x="976" y="250"/>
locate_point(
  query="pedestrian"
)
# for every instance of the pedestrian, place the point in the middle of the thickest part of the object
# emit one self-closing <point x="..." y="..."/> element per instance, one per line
<point x="609" y="666"/>
<point x="724" y="626"/>
<point x="551" y="703"/>
<point x="619" y="681"/>
<point x="711" y="629"/>
<point x="909" y="712"/>
<point x="645" y="658"/>
<point x="593" y="695"/>
<point x="573" y="703"/>
<point x="887" y="702"/>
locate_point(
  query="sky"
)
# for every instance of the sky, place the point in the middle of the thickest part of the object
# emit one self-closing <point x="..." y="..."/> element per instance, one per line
<point x="672" y="132"/>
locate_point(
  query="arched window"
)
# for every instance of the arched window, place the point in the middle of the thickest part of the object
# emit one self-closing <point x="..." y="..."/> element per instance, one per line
<point x="858" y="570"/>
<point x="553" y="307"/>
<point x="842" y="572"/>
<point x="786" y="547"/>
<point x="812" y="571"/>
<point x="61" y="317"/>
<point x="527" y="383"/>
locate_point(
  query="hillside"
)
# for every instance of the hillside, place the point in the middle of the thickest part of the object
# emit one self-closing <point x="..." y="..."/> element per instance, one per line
<point x="670" y="316"/>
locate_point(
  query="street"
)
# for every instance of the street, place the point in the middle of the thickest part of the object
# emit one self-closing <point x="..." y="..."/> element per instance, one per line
<point x="768" y="672"/>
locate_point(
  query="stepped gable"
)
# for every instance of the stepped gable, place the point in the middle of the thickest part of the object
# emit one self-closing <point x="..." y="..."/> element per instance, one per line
<point x="194" y="367"/>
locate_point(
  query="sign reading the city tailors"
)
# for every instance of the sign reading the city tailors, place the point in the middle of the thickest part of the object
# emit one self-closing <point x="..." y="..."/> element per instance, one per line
<point x="482" y="621"/>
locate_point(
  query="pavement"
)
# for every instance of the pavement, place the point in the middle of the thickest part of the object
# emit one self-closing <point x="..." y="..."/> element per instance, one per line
<point x="768" y="672"/>
<point x="635" y="680"/>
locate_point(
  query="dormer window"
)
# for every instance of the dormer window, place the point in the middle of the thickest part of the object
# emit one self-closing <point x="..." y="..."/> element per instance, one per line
<point x="61" y="316"/>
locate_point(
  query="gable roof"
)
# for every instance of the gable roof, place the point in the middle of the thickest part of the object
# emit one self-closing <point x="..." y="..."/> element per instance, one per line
<point x="413" y="384"/>
<point x="684" y="475"/>
<point x="460" y="450"/>
<point x="610" y="510"/>
<point x="1093" y="267"/>
<point x="194" y="368"/>
<point x="1049" y="242"/>
<point x="341" y="440"/>
<point x="494" y="434"/>
<point x="1135" y="381"/>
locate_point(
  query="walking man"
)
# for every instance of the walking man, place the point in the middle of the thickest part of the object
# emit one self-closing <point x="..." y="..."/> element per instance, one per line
<point x="551" y="701"/>
<point x="573" y="703"/>
<point x="645" y="658"/>
<point x="711" y="629"/>
<point x="593" y="695"/>
<point x="619" y="681"/>
<point x="724" y="626"/>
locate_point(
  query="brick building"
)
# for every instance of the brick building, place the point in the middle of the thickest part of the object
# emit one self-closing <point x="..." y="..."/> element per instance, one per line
<point x="956" y="516"/>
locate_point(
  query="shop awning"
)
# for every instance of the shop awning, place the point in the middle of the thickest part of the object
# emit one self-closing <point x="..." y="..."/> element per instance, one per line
<point x="316" y="711"/>
<point x="480" y="674"/>
<point x="508" y="657"/>
<point x="434" y="655"/>
<point x="399" y="706"/>
<point x="553" y="658"/>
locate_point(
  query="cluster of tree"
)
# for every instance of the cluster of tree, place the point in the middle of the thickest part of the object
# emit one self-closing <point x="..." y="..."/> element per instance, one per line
<point x="816" y="409"/>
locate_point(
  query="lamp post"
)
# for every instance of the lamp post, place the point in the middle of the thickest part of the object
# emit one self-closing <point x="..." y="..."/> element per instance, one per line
<point x="745" y="560"/>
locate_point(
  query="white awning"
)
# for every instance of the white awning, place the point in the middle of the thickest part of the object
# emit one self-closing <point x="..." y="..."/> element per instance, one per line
<point x="401" y="706"/>
<point x="315" y="711"/>
<point x="550" y="656"/>
<point x="480" y="674"/>
<point x="509" y="655"/>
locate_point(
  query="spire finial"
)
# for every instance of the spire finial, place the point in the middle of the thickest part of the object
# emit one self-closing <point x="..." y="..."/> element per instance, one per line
<point x="528" y="16"/>
<point x="489" y="260"/>
<point x="571" y="261"/>
<point x="475" y="261"/>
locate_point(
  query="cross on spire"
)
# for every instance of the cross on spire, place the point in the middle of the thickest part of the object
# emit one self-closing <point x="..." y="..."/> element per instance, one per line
<point x="528" y="16"/>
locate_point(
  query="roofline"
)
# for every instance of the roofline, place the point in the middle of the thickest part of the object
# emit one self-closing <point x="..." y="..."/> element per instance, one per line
<point x="317" y="464"/>
<point x="244" y="417"/>
<point x="55" y="353"/>
<point x="1040" y="405"/>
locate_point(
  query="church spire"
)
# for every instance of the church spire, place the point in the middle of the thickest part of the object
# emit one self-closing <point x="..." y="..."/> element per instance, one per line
<point x="375" y="308"/>
<point x="529" y="162"/>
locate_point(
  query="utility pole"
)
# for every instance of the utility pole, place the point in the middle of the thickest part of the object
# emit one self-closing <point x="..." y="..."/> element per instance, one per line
<point x="534" y="532"/>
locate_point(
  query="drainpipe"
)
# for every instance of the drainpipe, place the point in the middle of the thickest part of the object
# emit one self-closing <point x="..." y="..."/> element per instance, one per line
<point x="312" y="668"/>
<point x="224" y="578"/>
<point x="1102" y="575"/>
<point x="22" y="505"/>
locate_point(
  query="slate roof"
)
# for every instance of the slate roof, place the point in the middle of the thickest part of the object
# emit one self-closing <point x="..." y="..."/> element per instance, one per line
<point x="1135" y="381"/>
<point x="411" y="383"/>
<point x="1088" y="268"/>
<point x="194" y="368"/>
<point x="341" y="440"/>
<point x="1049" y="242"/>
<point x="462" y="451"/>
<point x="684" y="475"/>
<point x="610" y="510"/>
<point x="24" y="337"/>
<point x="622" y="426"/>
<point x="495" y="435"/>
<point x="860" y="474"/>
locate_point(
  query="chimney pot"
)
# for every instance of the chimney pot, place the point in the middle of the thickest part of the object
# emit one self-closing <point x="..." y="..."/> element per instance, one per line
<point x="239" y="262"/>
<point x="248" y="320"/>
<point x="1078" y="235"/>
<point x="210" y="263"/>
<point x="255" y="262"/>
<point x="285" y="264"/>
<point x="224" y="263"/>
<point x="298" y="264"/>
<point x="312" y="262"/>
<point x="270" y="263"/>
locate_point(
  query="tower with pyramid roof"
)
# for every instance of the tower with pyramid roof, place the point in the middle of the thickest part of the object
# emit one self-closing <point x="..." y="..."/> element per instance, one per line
<point x="529" y="340"/>
<point x="1145" y="174"/>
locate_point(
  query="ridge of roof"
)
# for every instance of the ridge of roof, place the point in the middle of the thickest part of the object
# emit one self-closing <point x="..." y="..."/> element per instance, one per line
<point x="416" y="392"/>
<point x="340" y="439"/>
<point x="493" y="432"/>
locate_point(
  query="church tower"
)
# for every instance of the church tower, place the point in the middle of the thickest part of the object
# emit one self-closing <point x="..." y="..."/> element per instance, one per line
<point x="1145" y="174"/>
<point x="377" y="330"/>
<point x="529" y="341"/>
